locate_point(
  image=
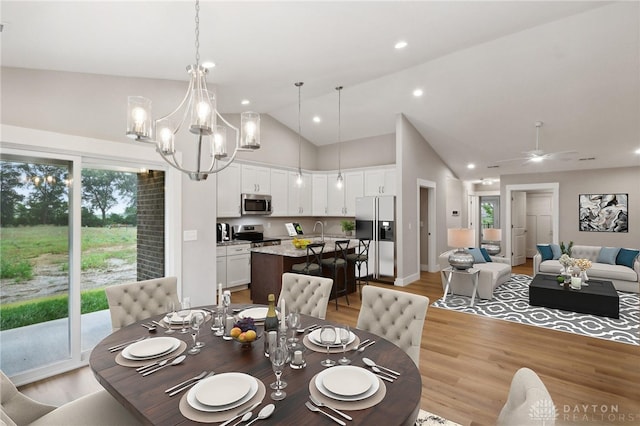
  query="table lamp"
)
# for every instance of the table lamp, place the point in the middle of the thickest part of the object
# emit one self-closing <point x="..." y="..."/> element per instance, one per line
<point x="460" y="238"/>
<point x="492" y="236"/>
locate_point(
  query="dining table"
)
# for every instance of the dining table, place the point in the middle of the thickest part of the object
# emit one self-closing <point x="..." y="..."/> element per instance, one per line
<point x="395" y="402"/>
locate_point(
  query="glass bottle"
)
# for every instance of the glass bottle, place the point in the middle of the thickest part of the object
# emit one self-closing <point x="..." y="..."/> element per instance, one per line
<point x="270" y="321"/>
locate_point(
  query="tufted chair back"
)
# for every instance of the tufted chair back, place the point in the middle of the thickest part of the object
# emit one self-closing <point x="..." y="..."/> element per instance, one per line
<point x="527" y="395"/>
<point x="18" y="408"/>
<point x="306" y="294"/>
<point x="133" y="302"/>
<point x="395" y="315"/>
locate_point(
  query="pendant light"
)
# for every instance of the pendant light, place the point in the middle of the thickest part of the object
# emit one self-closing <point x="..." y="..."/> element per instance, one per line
<point x="299" y="176"/>
<point x="340" y="179"/>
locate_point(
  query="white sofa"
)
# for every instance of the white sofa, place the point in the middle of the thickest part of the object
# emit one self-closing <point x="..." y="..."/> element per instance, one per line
<point x="622" y="277"/>
<point x="492" y="274"/>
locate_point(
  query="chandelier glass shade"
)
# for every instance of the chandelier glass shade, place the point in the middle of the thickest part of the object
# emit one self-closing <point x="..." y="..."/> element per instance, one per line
<point x="197" y="115"/>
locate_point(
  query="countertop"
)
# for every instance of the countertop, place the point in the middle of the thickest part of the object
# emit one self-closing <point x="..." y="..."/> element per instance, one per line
<point x="329" y="239"/>
<point x="288" y="250"/>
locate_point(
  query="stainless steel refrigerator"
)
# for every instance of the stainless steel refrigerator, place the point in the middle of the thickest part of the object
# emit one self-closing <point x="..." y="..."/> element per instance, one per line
<point x="375" y="219"/>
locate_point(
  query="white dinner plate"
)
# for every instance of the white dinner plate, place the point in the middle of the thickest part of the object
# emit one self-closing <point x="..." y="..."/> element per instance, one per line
<point x="347" y="383"/>
<point x="314" y="336"/>
<point x="150" y="348"/>
<point x="258" y="314"/>
<point x="175" y="319"/>
<point x="212" y="390"/>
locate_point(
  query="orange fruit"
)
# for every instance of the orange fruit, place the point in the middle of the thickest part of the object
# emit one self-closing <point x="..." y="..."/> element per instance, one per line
<point x="250" y="335"/>
<point x="242" y="337"/>
<point x="235" y="332"/>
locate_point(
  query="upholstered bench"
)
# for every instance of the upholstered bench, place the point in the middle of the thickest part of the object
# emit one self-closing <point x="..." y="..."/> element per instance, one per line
<point x="492" y="274"/>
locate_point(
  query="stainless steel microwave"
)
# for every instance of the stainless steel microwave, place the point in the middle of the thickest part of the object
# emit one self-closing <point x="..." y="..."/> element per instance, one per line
<point x="256" y="204"/>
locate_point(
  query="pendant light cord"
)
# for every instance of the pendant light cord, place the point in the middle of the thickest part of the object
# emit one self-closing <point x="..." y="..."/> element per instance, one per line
<point x="339" y="89"/>
<point x="299" y="85"/>
<point x="197" y="33"/>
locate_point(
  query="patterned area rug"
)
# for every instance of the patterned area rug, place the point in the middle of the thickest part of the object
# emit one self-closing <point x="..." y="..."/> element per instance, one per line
<point x="426" y="418"/>
<point x="511" y="303"/>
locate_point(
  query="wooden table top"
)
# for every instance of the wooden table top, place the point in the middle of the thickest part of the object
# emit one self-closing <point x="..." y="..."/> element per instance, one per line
<point x="146" y="399"/>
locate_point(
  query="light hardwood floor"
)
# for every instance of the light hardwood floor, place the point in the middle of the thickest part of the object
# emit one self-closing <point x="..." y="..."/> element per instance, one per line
<point x="467" y="363"/>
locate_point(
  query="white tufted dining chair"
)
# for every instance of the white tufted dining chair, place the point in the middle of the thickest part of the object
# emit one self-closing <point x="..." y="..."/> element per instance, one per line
<point x="96" y="409"/>
<point x="528" y="403"/>
<point x="395" y="315"/>
<point x="307" y="294"/>
<point x="136" y="301"/>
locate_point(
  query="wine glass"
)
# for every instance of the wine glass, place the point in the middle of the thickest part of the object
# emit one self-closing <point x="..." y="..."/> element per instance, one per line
<point x="171" y="312"/>
<point x="328" y="338"/>
<point x="344" y="334"/>
<point x="293" y="322"/>
<point x="278" y="357"/>
<point x="196" y="321"/>
<point x="185" y="310"/>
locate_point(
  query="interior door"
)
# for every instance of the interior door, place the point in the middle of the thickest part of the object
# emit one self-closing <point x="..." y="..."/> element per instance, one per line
<point x="518" y="228"/>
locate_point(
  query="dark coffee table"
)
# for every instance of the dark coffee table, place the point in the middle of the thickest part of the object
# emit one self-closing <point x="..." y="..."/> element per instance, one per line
<point x="598" y="298"/>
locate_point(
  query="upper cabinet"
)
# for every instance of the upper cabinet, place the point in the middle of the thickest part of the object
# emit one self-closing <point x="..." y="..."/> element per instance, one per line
<point x="319" y="195"/>
<point x="380" y="182"/>
<point x="256" y="179"/>
<point x="279" y="192"/>
<point x="228" y="191"/>
<point x="300" y="195"/>
<point x="342" y="201"/>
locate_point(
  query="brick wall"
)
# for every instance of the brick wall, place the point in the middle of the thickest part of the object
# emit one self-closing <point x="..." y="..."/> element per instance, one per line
<point x="150" y="225"/>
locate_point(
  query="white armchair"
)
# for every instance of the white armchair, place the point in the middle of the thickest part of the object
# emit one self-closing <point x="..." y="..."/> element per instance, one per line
<point x="395" y="315"/>
<point x="96" y="409"/>
<point x="492" y="274"/>
<point x="306" y="294"/>
<point x="136" y="301"/>
<point x="528" y="403"/>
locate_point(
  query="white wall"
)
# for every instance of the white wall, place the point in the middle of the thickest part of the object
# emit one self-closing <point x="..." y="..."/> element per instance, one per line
<point x="373" y="151"/>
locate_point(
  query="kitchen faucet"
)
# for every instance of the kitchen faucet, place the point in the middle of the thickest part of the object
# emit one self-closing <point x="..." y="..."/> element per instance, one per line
<point x="321" y="228"/>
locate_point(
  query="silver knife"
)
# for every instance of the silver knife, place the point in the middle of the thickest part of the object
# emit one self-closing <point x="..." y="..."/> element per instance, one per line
<point x="179" y="385"/>
<point x="188" y="385"/>
<point x="242" y="413"/>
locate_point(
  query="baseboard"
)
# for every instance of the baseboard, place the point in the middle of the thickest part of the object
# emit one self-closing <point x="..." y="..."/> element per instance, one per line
<point x="403" y="282"/>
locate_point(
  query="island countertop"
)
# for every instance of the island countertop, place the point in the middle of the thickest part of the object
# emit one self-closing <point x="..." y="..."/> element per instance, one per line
<point x="288" y="250"/>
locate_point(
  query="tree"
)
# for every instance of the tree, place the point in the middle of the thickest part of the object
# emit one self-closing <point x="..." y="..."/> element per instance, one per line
<point x="10" y="181"/>
<point x="98" y="190"/>
<point x="48" y="199"/>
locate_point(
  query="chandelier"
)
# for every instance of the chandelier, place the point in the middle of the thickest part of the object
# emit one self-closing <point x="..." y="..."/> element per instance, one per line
<point x="198" y="114"/>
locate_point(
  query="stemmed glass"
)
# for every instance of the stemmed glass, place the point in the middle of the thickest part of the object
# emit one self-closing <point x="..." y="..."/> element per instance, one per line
<point x="185" y="310"/>
<point x="293" y="321"/>
<point x="171" y="311"/>
<point x="197" y="319"/>
<point x="328" y="338"/>
<point x="278" y="357"/>
<point x="344" y="334"/>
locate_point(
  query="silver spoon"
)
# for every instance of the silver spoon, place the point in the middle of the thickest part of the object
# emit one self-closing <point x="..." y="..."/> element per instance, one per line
<point x="266" y="411"/>
<point x="322" y="404"/>
<point x="164" y="364"/>
<point x="371" y="363"/>
<point x="244" y="418"/>
<point x="315" y="409"/>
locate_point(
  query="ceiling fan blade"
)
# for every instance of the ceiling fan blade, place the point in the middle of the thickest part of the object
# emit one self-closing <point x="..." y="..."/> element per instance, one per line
<point x="512" y="159"/>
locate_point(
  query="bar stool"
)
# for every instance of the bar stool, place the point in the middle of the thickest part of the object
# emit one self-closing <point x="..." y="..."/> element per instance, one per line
<point x="339" y="260"/>
<point x="313" y="265"/>
<point x="358" y="258"/>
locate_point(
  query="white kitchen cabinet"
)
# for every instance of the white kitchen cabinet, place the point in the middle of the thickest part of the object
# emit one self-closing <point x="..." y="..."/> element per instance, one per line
<point x="238" y="265"/>
<point x="319" y="194"/>
<point x="279" y="192"/>
<point x="342" y="202"/>
<point x="221" y="266"/>
<point x="256" y="179"/>
<point x="380" y="182"/>
<point x="228" y="192"/>
<point x="300" y="196"/>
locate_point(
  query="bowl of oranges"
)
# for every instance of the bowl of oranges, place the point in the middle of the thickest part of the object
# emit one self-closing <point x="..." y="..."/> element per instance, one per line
<point x="245" y="332"/>
<point x="300" y="243"/>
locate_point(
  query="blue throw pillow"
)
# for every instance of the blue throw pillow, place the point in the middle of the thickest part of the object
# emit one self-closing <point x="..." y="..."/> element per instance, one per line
<point x="545" y="251"/>
<point x="555" y="249"/>
<point x="608" y="255"/>
<point x="485" y="254"/>
<point x="626" y="257"/>
<point x="477" y="255"/>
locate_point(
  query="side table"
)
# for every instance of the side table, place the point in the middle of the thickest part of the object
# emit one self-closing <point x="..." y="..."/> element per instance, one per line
<point x="449" y="271"/>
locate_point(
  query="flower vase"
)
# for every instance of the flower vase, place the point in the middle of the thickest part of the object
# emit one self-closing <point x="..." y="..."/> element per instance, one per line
<point x="583" y="276"/>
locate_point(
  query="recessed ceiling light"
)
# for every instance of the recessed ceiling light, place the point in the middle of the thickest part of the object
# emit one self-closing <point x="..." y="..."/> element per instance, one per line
<point x="638" y="151"/>
<point x="401" y="44"/>
<point x="317" y="119"/>
<point x="417" y="93"/>
<point x="208" y="64"/>
<point x="245" y="102"/>
<point x="471" y="166"/>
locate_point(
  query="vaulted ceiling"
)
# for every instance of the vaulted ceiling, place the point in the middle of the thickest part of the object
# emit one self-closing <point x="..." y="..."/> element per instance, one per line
<point x="488" y="70"/>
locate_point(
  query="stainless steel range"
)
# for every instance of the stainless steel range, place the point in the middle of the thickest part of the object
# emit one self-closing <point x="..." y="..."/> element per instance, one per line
<point x="254" y="234"/>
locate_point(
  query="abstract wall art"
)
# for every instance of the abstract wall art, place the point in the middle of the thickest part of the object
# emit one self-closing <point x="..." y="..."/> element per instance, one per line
<point x="603" y="212"/>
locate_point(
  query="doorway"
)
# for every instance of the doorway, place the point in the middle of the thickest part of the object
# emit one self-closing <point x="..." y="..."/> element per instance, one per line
<point x="426" y="226"/>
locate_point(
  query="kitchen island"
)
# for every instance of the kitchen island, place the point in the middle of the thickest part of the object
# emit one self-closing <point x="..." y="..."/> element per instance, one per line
<point x="269" y="263"/>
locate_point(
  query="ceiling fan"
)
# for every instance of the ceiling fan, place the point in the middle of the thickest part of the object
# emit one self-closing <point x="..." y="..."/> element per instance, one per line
<point x="538" y="155"/>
